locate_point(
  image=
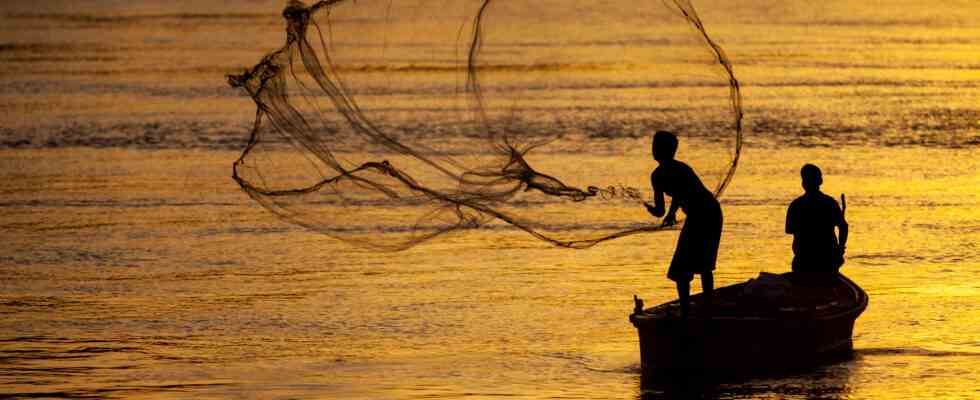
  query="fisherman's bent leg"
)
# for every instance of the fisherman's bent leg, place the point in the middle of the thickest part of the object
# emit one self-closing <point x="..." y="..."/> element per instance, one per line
<point x="707" y="289"/>
<point x="684" y="293"/>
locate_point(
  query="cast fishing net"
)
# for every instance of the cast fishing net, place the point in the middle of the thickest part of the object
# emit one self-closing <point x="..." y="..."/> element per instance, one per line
<point x="388" y="123"/>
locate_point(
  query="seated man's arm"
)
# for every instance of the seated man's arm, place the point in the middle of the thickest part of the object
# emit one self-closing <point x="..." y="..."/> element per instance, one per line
<point x="843" y="236"/>
<point x="790" y="221"/>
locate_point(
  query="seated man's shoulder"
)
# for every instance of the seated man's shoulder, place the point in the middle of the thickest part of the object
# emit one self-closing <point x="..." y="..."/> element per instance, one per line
<point x="798" y="202"/>
<point x="828" y="200"/>
<point x="807" y="204"/>
<point x="814" y="198"/>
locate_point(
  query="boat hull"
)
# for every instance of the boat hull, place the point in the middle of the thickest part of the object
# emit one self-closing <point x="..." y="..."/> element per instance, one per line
<point x="746" y="344"/>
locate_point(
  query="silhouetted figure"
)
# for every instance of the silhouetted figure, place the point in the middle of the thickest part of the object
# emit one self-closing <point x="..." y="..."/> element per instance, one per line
<point x="811" y="220"/>
<point x="697" y="247"/>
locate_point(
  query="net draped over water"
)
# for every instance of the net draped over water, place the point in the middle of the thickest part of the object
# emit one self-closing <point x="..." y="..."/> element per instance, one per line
<point x="388" y="123"/>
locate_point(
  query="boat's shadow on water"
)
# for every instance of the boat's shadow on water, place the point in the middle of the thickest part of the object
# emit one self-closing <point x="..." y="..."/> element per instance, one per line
<point x="827" y="381"/>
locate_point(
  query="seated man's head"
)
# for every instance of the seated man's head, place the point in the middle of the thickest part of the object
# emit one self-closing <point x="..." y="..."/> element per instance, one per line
<point x="664" y="146"/>
<point x="812" y="177"/>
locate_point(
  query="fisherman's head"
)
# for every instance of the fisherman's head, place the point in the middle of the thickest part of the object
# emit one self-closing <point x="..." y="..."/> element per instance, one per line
<point x="664" y="146"/>
<point x="812" y="177"/>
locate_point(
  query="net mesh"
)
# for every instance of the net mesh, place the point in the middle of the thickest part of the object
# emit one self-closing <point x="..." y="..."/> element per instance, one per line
<point x="389" y="123"/>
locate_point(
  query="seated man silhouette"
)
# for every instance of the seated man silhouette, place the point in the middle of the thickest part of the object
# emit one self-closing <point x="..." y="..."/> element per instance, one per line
<point x="811" y="220"/>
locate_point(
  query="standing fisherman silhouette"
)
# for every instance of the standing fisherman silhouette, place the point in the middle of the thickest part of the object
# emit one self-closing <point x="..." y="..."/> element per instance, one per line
<point x="811" y="219"/>
<point x="697" y="246"/>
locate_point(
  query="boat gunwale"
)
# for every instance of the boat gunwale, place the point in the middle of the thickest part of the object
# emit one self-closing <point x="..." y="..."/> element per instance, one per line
<point x="859" y="294"/>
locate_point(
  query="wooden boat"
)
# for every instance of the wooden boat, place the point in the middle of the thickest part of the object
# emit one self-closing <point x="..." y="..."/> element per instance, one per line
<point x="754" y="327"/>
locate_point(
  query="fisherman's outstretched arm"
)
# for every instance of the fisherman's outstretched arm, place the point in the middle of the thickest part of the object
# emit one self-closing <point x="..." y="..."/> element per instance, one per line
<point x="657" y="209"/>
<point x="671" y="217"/>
